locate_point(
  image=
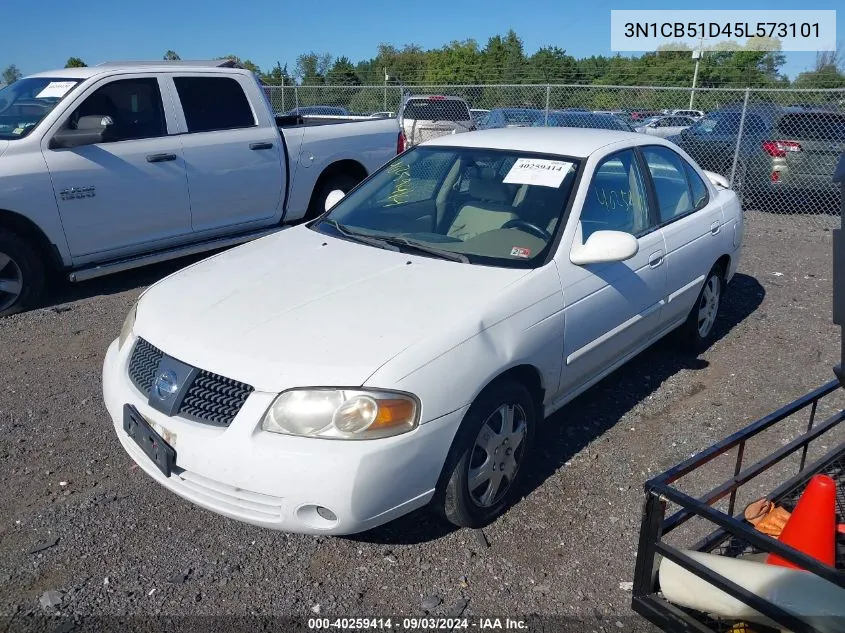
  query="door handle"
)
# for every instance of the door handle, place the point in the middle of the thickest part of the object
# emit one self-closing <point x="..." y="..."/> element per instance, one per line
<point x="655" y="259"/>
<point x="715" y="228"/>
<point x="257" y="146"/>
<point x="160" y="158"/>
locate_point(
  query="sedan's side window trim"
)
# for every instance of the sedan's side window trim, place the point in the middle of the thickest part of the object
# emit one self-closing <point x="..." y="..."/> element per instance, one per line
<point x="652" y="191"/>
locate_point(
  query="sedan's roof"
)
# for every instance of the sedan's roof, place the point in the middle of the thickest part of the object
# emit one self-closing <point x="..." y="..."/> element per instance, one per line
<point x="576" y="142"/>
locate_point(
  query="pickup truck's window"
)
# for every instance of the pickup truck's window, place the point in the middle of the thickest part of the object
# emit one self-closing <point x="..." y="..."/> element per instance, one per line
<point x="133" y="104"/>
<point x="213" y="103"/>
<point x="484" y="206"/>
<point x="26" y="102"/>
<point x="616" y="199"/>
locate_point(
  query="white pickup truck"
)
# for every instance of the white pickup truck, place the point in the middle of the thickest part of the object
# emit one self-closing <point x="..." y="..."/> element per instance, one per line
<point x="120" y="165"/>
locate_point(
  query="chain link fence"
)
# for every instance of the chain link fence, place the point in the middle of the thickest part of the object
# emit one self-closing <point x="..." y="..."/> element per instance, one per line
<point x="777" y="147"/>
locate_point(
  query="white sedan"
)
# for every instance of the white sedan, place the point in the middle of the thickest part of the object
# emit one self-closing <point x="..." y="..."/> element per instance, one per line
<point x="665" y="126"/>
<point x="402" y="349"/>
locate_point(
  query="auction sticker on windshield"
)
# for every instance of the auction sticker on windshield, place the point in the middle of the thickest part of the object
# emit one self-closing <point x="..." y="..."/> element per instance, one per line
<point x="55" y="89"/>
<point x="537" y="171"/>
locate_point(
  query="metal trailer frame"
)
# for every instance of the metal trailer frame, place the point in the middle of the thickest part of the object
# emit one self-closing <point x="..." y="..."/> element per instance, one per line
<point x="839" y="268"/>
<point x="655" y="525"/>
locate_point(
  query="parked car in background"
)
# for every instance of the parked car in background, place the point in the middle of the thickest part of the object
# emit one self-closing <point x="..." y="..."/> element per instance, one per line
<point x="510" y="117"/>
<point x="584" y="120"/>
<point x="319" y="110"/>
<point x="617" y="113"/>
<point x="430" y="116"/>
<point x="382" y="115"/>
<point x="111" y="167"/>
<point x="693" y="114"/>
<point x="665" y="126"/>
<point x="712" y="141"/>
<point x="478" y="114"/>
<point x="634" y="115"/>
<point x="786" y="156"/>
<point x="488" y="278"/>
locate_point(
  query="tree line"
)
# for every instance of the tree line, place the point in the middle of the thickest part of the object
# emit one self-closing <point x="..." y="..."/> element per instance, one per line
<point x="503" y="60"/>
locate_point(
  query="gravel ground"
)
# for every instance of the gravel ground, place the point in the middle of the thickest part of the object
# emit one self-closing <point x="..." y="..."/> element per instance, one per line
<point x="77" y="519"/>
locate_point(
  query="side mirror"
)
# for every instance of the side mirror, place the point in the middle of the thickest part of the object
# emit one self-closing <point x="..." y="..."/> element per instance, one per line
<point x="90" y="130"/>
<point x="333" y="198"/>
<point x="605" y="246"/>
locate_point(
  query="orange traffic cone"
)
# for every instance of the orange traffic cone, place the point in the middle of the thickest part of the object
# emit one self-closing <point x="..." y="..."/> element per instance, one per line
<point x="812" y="527"/>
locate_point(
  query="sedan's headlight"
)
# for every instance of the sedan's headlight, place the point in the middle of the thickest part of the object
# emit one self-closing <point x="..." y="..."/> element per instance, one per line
<point x="128" y="324"/>
<point x="344" y="414"/>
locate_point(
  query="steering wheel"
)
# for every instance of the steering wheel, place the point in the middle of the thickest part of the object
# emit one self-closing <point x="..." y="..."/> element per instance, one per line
<point x="528" y="227"/>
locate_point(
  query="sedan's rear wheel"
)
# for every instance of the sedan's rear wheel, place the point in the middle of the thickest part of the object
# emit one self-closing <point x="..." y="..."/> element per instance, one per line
<point x="487" y="458"/>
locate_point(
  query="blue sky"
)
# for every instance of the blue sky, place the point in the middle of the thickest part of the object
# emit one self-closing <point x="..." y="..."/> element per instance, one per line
<point x="266" y="30"/>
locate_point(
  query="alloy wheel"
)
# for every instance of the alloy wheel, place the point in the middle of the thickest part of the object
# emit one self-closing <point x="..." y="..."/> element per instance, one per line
<point x="11" y="281"/>
<point x="708" y="307"/>
<point x="496" y="455"/>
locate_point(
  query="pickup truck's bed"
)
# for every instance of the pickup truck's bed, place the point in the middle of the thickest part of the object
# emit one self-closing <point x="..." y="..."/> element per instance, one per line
<point x="288" y="121"/>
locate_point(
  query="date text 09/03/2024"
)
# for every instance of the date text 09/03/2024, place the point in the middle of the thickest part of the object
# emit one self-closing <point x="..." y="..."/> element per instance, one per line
<point x="416" y="624"/>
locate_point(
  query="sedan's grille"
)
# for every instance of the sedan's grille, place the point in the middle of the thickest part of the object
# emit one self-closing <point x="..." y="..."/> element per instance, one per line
<point x="143" y="365"/>
<point x="214" y="399"/>
<point x="210" y="398"/>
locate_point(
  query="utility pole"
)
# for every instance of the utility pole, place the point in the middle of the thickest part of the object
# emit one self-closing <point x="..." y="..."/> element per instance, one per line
<point x="386" y="77"/>
<point x="696" y="55"/>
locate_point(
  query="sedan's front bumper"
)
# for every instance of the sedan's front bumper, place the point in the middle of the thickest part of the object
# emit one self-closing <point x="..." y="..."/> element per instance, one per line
<point x="280" y="481"/>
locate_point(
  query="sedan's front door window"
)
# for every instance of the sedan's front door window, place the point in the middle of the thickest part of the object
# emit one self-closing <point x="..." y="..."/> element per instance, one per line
<point x="616" y="199"/>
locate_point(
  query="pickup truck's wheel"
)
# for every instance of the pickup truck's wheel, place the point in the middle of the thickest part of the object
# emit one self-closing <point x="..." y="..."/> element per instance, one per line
<point x="487" y="457"/>
<point x="700" y="325"/>
<point x="21" y="273"/>
<point x="343" y="182"/>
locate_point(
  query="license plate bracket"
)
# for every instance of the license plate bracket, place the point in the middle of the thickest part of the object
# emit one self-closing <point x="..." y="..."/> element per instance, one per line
<point x="160" y="452"/>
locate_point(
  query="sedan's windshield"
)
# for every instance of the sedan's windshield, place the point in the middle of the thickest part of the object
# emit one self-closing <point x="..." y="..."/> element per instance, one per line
<point x="481" y="206"/>
<point x="25" y="102"/>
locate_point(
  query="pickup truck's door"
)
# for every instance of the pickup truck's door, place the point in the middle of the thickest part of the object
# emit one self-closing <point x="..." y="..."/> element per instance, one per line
<point x="232" y="149"/>
<point x="122" y="196"/>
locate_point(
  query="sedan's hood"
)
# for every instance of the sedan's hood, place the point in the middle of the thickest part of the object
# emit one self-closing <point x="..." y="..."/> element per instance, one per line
<point x="4" y="145"/>
<point x="302" y="308"/>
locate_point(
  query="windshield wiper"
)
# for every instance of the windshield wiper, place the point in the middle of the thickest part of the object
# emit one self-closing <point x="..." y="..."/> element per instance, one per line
<point x="430" y="250"/>
<point x="361" y="237"/>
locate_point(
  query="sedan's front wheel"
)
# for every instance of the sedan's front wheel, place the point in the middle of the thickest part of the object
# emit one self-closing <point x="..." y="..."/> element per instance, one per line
<point x="487" y="458"/>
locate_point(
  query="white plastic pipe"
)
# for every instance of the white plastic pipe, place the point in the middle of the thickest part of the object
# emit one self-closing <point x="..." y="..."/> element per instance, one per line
<point x="813" y="599"/>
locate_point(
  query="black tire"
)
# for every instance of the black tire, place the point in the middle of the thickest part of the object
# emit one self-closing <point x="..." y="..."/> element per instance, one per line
<point x="698" y="333"/>
<point x="344" y="182"/>
<point x="22" y="273"/>
<point x="455" y="500"/>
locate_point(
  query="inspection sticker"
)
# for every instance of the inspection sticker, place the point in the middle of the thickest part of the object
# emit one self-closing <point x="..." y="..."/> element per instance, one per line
<point x="520" y="251"/>
<point x="538" y="171"/>
<point x="55" y="89"/>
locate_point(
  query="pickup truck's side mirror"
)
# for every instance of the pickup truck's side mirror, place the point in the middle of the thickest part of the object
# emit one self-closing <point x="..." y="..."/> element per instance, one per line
<point x="605" y="246"/>
<point x="90" y="130"/>
<point x="333" y="198"/>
